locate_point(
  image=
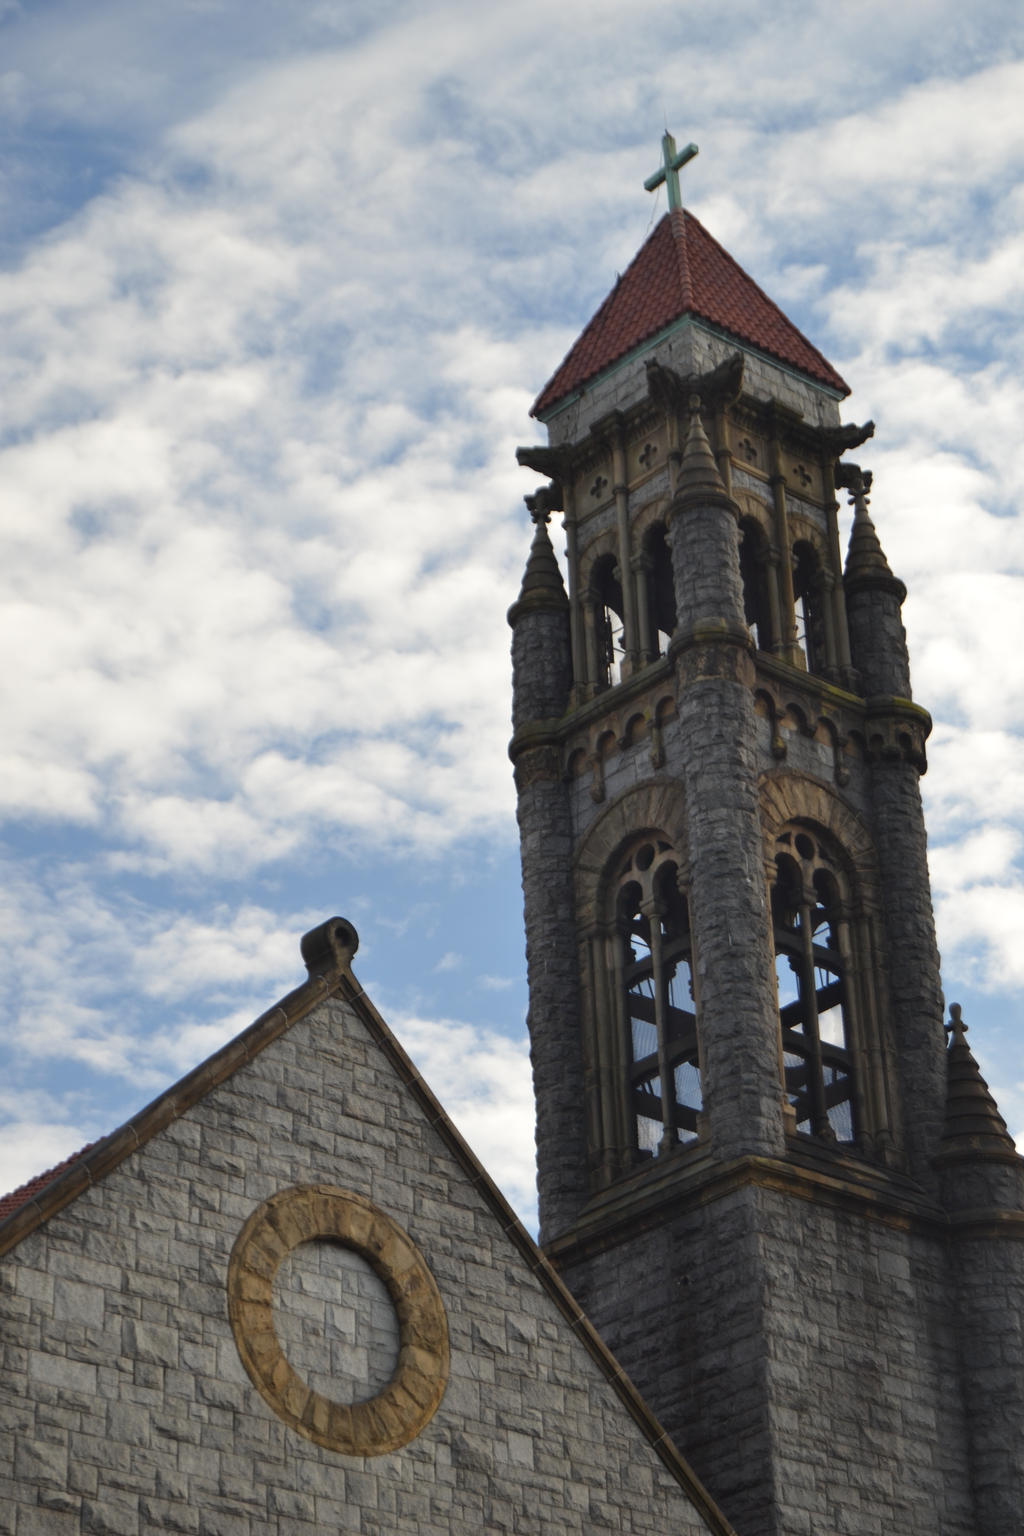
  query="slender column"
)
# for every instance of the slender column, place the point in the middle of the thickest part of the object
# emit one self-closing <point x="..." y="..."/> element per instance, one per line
<point x="642" y="565"/>
<point x="624" y="1140"/>
<point x="592" y="679"/>
<point x="774" y="601"/>
<point x="820" y="1123"/>
<point x="653" y="914"/>
<point x="828" y="616"/>
<point x="789" y="648"/>
<point x="579" y="658"/>
<point x="630" y="637"/>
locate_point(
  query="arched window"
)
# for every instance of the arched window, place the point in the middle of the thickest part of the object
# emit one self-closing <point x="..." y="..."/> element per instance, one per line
<point x="606" y="588"/>
<point x="663" y="1087"/>
<point x="807" y="913"/>
<point x="808" y="605"/>
<point x="661" y="591"/>
<point x="754" y="573"/>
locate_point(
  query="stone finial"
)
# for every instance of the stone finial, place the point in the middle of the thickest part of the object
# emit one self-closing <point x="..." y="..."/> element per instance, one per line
<point x="973" y="1123"/>
<point x="866" y="565"/>
<point x="542" y="586"/>
<point x="330" y="947"/>
<point x="698" y="471"/>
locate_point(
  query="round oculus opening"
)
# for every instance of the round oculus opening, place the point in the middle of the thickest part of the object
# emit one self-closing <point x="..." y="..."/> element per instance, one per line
<point x="335" y="1321"/>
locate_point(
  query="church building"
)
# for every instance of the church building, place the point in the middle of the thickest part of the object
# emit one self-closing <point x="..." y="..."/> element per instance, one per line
<point x="780" y="1287"/>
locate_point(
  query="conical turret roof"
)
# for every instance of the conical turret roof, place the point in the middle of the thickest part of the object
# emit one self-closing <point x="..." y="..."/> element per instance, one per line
<point x="866" y="564"/>
<point x="681" y="270"/>
<point x="973" y="1123"/>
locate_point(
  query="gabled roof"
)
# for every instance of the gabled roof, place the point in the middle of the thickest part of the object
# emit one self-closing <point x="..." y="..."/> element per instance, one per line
<point x="328" y="952"/>
<point x="681" y="270"/>
<point x="25" y="1193"/>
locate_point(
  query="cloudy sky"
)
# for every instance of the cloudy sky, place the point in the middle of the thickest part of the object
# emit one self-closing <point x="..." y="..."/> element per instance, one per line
<point x="278" y="284"/>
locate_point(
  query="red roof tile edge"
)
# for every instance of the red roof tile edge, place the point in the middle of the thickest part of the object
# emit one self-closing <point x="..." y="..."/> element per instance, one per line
<point x="26" y="1192"/>
<point x="566" y="379"/>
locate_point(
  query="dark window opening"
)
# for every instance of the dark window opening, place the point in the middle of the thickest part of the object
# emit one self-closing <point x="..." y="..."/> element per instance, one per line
<point x="755" y="577"/>
<point x="812" y="996"/>
<point x="808" y="608"/>
<point x="608" y="619"/>
<point x="664" y="1088"/>
<point x="661" y="591"/>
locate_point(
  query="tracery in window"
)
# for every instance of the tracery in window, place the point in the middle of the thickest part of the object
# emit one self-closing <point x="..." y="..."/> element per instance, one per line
<point x="664" y="1083"/>
<point x="807" y="913"/>
<point x="754" y="574"/>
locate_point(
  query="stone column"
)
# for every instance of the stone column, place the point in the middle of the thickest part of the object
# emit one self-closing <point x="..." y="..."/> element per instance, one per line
<point x="542" y="672"/>
<point x="731" y="924"/>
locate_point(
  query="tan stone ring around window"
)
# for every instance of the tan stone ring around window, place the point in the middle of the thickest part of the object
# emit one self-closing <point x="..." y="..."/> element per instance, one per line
<point x="319" y="1211"/>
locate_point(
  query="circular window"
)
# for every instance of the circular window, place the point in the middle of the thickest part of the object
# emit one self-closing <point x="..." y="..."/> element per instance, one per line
<point x="378" y="1286"/>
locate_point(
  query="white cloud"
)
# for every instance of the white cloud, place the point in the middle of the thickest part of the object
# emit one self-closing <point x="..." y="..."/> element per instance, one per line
<point x="263" y="378"/>
<point x="483" y="1080"/>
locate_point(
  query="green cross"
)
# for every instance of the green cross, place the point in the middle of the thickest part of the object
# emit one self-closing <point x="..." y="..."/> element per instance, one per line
<point x="672" y="163"/>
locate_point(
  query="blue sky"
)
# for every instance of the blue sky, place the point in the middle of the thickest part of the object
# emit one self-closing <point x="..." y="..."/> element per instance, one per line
<point x="277" y="287"/>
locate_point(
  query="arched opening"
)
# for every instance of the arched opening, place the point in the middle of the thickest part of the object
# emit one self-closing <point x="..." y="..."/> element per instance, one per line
<point x="664" y="1084"/>
<point x="606" y="589"/>
<point x="807" y="912"/>
<point x="754" y="573"/>
<point x="808" y="605"/>
<point x="661" y="591"/>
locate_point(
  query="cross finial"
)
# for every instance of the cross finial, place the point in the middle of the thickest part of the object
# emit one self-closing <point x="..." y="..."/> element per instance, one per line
<point x="956" y="1026"/>
<point x="672" y="161"/>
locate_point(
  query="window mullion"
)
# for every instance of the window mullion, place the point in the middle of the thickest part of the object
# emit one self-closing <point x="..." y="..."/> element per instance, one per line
<point x="820" y="1123"/>
<point x="668" y="1091"/>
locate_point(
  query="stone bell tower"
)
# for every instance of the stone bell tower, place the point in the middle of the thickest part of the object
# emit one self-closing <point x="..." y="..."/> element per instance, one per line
<point x="755" y="1170"/>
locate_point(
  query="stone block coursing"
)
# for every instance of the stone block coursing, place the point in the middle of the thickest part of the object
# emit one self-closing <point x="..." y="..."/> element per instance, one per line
<point x="143" y="1419"/>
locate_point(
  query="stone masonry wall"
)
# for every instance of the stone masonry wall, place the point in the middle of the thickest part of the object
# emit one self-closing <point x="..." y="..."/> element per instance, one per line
<point x="868" y="1421"/>
<point x="805" y="1361"/>
<point x="124" y="1407"/>
<point x="684" y="1304"/>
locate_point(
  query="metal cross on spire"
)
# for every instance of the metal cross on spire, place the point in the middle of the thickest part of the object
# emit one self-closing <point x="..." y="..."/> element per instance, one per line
<point x="672" y="163"/>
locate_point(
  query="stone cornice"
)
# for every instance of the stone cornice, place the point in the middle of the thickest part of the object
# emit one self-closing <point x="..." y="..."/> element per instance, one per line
<point x="691" y="1179"/>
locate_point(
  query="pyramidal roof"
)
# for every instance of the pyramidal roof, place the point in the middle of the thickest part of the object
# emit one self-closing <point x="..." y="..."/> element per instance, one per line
<point x="681" y="270"/>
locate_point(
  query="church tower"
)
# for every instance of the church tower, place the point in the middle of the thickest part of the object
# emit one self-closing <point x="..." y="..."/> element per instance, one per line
<point x="792" y="1211"/>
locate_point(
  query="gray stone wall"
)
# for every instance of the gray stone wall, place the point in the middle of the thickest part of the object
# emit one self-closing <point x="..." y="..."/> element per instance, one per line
<point x="804" y="1359"/>
<point x="124" y="1407"/>
<point x="691" y="347"/>
<point x="684" y="1303"/>
<point x="990" y="1272"/>
<point x="868" y="1428"/>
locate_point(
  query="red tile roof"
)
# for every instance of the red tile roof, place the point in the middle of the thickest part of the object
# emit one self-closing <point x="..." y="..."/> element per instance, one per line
<point x="19" y="1197"/>
<point x="682" y="270"/>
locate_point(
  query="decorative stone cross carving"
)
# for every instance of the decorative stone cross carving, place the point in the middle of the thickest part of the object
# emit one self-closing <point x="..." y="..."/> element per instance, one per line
<point x="672" y="163"/>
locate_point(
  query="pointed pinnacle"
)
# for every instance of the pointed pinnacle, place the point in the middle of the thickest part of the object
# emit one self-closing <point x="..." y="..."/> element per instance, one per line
<point x="866" y="565"/>
<point x="542" y="586"/>
<point x="973" y="1123"/>
<point x="698" y="470"/>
